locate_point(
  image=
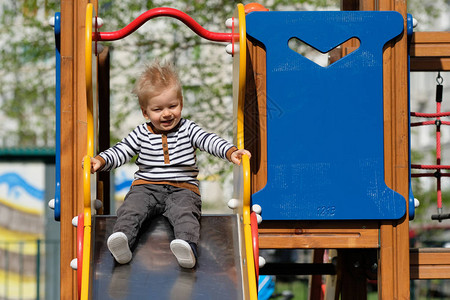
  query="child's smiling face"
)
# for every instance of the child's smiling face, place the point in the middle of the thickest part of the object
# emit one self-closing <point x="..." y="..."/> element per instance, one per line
<point x="164" y="110"/>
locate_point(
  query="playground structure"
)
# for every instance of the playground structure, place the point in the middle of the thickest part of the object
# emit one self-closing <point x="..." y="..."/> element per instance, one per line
<point x="296" y="171"/>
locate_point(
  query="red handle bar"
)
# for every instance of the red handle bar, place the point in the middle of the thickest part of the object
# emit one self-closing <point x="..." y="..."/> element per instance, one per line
<point x="159" y="12"/>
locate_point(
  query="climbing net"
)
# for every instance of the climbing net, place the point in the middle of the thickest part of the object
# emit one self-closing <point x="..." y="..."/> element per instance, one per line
<point x="438" y="167"/>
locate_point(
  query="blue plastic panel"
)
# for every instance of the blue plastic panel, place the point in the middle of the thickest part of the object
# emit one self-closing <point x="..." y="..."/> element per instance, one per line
<point x="57" y="30"/>
<point x="410" y="31"/>
<point x="325" y="124"/>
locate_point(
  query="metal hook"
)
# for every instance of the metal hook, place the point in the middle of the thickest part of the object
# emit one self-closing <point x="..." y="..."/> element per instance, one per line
<point x="439" y="79"/>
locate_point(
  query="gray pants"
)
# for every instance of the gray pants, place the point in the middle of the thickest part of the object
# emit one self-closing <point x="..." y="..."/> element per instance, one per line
<point x="181" y="207"/>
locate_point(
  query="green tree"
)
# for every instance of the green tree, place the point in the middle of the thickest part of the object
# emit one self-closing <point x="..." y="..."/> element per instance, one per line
<point x="27" y="72"/>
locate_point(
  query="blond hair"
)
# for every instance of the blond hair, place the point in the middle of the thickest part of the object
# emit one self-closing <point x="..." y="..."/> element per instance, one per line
<point x="157" y="77"/>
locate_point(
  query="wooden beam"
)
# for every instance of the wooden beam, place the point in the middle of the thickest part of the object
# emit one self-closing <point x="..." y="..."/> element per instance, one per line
<point x="427" y="50"/>
<point x="318" y="235"/>
<point x="430" y="263"/>
<point x="430" y="64"/>
<point x="430" y="51"/>
<point x="436" y="38"/>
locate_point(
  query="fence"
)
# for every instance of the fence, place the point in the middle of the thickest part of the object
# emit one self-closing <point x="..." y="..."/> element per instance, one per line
<point x="29" y="269"/>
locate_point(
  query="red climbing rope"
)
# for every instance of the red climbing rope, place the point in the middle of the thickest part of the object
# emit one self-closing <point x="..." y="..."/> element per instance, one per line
<point x="438" y="167"/>
<point x="427" y="115"/>
<point x="429" y="123"/>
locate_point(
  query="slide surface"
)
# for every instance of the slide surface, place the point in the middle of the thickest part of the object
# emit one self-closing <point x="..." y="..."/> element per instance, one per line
<point x="154" y="273"/>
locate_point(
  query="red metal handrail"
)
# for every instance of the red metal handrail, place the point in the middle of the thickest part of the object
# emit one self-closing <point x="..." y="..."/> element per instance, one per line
<point x="167" y="12"/>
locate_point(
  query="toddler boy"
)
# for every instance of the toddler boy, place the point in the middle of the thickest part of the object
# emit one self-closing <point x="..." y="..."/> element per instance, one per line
<point x="166" y="181"/>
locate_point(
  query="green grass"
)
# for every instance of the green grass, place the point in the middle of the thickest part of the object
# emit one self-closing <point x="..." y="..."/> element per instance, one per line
<point x="299" y="288"/>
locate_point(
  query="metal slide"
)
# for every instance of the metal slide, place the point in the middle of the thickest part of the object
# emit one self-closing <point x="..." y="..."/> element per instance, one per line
<point x="154" y="273"/>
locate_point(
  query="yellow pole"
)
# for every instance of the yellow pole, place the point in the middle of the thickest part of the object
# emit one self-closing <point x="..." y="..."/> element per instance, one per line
<point x="87" y="159"/>
<point x="245" y="160"/>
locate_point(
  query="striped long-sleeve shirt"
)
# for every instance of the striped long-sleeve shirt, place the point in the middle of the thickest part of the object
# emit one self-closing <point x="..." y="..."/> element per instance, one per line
<point x="166" y="158"/>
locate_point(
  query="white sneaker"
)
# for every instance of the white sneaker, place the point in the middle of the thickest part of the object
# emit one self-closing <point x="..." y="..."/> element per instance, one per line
<point x="183" y="252"/>
<point x="118" y="246"/>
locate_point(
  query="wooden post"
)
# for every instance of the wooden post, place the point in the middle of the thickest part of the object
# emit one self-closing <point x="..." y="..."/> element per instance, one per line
<point x="255" y="117"/>
<point x="393" y="272"/>
<point x="73" y="134"/>
<point x="315" y="281"/>
<point x="103" y="187"/>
